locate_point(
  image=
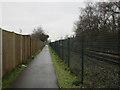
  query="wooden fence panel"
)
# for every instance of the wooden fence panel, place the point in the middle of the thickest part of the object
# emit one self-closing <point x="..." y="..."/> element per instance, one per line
<point x="8" y="52"/>
<point x="17" y="49"/>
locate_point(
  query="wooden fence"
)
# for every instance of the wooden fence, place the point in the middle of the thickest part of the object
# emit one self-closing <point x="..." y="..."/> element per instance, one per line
<point x="17" y="49"/>
<point x="0" y="59"/>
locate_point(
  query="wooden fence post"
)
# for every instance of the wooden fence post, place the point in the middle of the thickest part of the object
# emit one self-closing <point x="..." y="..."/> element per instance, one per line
<point x="0" y="58"/>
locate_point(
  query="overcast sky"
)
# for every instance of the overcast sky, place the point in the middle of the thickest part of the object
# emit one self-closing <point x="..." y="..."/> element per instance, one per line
<point x="56" y="18"/>
<point x="0" y="14"/>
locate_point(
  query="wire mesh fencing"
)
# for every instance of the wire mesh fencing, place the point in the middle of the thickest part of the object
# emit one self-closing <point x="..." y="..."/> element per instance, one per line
<point x="95" y="61"/>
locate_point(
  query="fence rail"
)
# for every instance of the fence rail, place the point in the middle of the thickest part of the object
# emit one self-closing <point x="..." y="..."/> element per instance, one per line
<point x="92" y="58"/>
<point x="16" y="49"/>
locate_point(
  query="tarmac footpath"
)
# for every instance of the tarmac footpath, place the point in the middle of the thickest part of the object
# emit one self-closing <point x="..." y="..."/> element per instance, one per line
<point x="39" y="74"/>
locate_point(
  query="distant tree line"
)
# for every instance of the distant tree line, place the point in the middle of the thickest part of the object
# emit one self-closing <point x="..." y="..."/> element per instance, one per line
<point x="40" y="34"/>
<point x="99" y="22"/>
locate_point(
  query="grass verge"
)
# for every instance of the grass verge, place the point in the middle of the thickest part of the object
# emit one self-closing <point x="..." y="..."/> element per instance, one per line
<point x="9" y="78"/>
<point x="65" y="78"/>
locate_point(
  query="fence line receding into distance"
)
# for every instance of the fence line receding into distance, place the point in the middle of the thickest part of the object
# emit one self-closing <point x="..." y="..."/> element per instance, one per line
<point x="96" y="62"/>
<point x="16" y="49"/>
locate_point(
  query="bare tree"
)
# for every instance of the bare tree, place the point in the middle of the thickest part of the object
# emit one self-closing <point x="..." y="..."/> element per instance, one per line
<point x="98" y="21"/>
<point x="40" y="34"/>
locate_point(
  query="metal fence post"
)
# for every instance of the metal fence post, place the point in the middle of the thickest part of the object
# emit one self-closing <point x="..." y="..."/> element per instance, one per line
<point x="62" y="51"/>
<point x="57" y="47"/>
<point x="82" y="58"/>
<point x="60" y="48"/>
<point x="68" y="52"/>
<point x="54" y="46"/>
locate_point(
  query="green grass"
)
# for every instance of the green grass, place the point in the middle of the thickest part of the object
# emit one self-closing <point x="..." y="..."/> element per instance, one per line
<point x="9" y="78"/>
<point x="32" y="57"/>
<point x="65" y="78"/>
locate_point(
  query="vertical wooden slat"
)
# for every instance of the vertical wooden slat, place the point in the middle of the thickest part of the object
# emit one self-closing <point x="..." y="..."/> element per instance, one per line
<point x="16" y="49"/>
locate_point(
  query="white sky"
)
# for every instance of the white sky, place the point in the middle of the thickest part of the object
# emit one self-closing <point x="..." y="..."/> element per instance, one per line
<point x="56" y="18"/>
<point x="0" y="14"/>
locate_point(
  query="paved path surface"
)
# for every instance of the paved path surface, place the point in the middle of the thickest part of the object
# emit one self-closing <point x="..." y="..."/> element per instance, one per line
<point x="39" y="74"/>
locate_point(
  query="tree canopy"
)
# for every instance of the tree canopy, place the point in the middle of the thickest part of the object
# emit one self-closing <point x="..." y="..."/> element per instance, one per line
<point x="40" y="34"/>
<point x="99" y="21"/>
